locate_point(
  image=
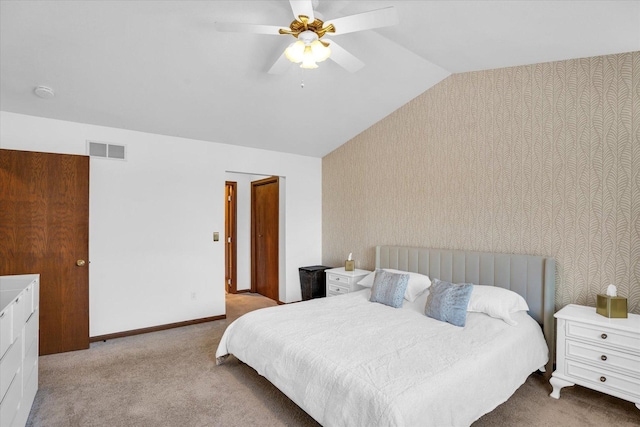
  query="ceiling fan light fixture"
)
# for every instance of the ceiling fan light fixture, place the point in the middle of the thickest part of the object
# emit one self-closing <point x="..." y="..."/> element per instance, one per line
<point x="308" y="61"/>
<point x="309" y="28"/>
<point x="320" y="51"/>
<point x="308" y="50"/>
<point x="295" y="52"/>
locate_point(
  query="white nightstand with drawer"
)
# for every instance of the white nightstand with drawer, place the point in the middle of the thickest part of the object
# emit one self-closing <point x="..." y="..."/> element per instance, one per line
<point x="597" y="352"/>
<point x="341" y="282"/>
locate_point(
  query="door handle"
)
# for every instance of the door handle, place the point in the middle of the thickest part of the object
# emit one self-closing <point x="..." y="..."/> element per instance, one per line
<point x="80" y="263"/>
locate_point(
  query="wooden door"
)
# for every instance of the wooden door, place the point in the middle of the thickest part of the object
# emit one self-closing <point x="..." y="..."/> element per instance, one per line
<point x="230" y="248"/>
<point x="264" y="237"/>
<point x="44" y="228"/>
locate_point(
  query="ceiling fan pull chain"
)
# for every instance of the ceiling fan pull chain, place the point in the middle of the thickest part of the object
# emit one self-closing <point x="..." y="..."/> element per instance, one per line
<point x="301" y="78"/>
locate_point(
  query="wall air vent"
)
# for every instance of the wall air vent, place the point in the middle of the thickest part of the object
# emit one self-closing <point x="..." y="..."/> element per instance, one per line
<point x="106" y="151"/>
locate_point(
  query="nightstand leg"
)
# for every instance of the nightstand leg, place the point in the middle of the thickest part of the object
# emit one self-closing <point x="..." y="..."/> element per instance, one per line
<point x="557" y="384"/>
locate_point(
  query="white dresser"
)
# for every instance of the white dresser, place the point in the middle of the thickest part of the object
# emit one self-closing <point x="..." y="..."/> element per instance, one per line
<point x="597" y="352"/>
<point x="19" y="324"/>
<point x="341" y="282"/>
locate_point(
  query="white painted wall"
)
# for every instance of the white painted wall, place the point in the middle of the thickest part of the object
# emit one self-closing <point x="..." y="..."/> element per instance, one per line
<point x="152" y="218"/>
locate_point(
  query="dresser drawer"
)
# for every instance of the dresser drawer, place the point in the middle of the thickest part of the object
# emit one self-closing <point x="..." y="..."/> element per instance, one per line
<point x="11" y="401"/>
<point x="335" y="289"/>
<point x="9" y="365"/>
<point x="28" y="295"/>
<point x="30" y="360"/>
<point x="18" y="315"/>
<point x="30" y="388"/>
<point x="31" y="330"/>
<point x="6" y="329"/>
<point x="36" y="294"/>
<point x="604" y="336"/>
<point x="603" y="357"/>
<point x="603" y="378"/>
<point x="338" y="279"/>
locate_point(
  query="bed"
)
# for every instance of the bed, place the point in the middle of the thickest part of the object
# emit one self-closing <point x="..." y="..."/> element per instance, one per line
<point x="348" y="361"/>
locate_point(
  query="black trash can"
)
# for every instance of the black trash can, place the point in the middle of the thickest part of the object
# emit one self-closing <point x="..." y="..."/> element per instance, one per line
<point x="312" y="282"/>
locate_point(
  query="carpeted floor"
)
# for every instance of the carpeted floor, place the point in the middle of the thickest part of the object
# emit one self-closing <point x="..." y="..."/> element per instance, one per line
<point x="169" y="378"/>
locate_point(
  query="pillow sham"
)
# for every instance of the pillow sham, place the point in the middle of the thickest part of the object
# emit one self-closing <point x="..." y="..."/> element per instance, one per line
<point x="496" y="302"/>
<point x="418" y="283"/>
<point x="389" y="288"/>
<point x="448" y="302"/>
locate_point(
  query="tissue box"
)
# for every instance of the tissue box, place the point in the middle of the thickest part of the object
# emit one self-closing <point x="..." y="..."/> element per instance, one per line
<point x="350" y="266"/>
<point x="614" y="307"/>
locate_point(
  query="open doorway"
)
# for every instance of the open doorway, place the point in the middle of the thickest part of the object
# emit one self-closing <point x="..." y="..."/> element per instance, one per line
<point x="242" y="198"/>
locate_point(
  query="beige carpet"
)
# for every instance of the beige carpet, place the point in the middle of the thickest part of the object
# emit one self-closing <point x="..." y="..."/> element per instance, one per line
<point x="169" y="378"/>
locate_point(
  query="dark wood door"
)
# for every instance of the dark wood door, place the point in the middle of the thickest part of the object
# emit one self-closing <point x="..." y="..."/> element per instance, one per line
<point x="44" y="228"/>
<point x="230" y="248"/>
<point x="264" y="237"/>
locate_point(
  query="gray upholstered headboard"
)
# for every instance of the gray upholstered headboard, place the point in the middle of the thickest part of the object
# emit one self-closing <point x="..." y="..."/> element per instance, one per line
<point x="533" y="277"/>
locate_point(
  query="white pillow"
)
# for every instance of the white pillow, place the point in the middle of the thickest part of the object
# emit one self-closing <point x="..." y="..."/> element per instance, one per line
<point x="418" y="283"/>
<point x="367" y="281"/>
<point x="496" y="302"/>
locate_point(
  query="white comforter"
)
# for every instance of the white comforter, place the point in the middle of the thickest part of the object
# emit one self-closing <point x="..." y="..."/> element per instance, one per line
<point x="347" y="361"/>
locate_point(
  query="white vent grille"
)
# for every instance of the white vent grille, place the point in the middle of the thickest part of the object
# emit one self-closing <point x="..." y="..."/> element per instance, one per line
<point x="97" y="149"/>
<point x="106" y="151"/>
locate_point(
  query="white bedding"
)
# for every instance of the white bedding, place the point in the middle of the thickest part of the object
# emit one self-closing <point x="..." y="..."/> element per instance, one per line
<point x="347" y="361"/>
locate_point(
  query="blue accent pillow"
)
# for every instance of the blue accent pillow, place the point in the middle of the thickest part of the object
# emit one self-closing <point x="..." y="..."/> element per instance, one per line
<point x="448" y="302"/>
<point x="389" y="288"/>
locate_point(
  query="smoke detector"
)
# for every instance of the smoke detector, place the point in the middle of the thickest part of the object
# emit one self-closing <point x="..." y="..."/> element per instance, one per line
<point x="44" y="92"/>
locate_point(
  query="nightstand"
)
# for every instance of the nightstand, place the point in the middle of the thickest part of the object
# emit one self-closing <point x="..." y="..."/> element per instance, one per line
<point x="341" y="282"/>
<point x="597" y="352"/>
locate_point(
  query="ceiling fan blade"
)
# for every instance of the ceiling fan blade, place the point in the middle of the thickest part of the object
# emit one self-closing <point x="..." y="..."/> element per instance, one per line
<point x="280" y="66"/>
<point x="248" y="28"/>
<point x="365" y="21"/>
<point x="302" y="7"/>
<point x="343" y="58"/>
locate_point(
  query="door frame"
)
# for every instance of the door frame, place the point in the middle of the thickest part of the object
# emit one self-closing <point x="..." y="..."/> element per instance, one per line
<point x="230" y="237"/>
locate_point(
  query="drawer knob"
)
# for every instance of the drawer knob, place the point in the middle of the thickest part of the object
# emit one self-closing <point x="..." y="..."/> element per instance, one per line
<point x="603" y="336"/>
<point x="603" y="357"/>
<point x="603" y="379"/>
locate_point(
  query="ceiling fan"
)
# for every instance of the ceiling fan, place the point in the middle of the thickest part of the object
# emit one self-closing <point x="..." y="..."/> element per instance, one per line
<point x="310" y="47"/>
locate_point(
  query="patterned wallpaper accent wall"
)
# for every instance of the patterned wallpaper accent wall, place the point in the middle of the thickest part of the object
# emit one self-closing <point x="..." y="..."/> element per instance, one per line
<point x="541" y="159"/>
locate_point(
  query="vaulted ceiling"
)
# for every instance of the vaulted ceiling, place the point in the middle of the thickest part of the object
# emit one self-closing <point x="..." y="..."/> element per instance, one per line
<point x="161" y="66"/>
